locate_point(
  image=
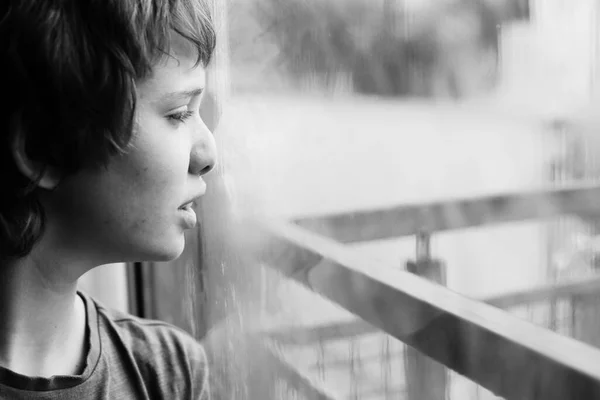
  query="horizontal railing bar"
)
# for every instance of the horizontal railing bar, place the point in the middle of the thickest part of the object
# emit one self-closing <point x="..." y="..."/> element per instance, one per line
<point x="406" y="220"/>
<point x="306" y="385"/>
<point x="342" y="363"/>
<point x="583" y="287"/>
<point x="339" y="330"/>
<point x="394" y="392"/>
<point x="508" y="356"/>
<point x="304" y="336"/>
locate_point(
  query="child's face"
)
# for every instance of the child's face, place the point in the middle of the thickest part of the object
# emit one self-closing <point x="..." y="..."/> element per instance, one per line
<point x="132" y="209"/>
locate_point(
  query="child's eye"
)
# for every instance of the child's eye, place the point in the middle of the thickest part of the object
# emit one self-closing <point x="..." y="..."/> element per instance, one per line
<point x="180" y="116"/>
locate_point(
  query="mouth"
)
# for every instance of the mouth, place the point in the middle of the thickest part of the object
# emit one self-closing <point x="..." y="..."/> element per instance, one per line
<point x="189" y="215"/>
<point x="187" y="209"/>
<point x="191" y="203"/>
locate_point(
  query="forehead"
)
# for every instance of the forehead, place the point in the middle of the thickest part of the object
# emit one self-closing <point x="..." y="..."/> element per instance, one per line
<point x="175" y="72"/>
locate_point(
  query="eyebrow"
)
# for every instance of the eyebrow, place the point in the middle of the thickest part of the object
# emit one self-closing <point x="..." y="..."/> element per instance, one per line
<point x="183" y="94"/>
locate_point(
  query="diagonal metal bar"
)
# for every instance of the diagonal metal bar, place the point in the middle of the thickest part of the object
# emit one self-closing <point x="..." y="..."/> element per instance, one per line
<point x="508" y="356"/>
<point x="406" y="220"/>
<point x="357" y="327"/>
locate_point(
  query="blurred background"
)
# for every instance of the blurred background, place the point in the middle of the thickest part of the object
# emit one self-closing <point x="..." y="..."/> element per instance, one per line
<point x="327" y="106"/>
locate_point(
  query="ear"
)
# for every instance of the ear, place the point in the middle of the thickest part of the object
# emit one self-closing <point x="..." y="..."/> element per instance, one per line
<point x="50" y="178"/>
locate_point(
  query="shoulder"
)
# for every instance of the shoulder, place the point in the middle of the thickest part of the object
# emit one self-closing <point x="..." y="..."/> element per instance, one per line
<point x="164" y="354"/>
<point x="142" y="331"/>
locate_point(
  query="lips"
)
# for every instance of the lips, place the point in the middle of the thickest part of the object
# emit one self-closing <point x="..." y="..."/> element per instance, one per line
<point x="189" y="216"/>
<point x="192" y="201"/>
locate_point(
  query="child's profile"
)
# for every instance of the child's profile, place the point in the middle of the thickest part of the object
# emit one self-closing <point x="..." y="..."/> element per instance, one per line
<point x="102" y="154"/>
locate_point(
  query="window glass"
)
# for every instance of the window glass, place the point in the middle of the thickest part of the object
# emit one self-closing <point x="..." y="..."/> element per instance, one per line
<point x="343" y="105"/>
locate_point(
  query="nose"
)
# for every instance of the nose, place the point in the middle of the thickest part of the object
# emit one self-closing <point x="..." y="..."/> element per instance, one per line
<point x="203" y="156"/>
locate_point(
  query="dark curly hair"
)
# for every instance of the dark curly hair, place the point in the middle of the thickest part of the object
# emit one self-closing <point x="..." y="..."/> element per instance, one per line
<point x="70" y="69"/>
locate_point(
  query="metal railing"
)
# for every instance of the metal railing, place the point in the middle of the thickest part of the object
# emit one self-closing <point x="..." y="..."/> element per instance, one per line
<point x="475" y="338"/>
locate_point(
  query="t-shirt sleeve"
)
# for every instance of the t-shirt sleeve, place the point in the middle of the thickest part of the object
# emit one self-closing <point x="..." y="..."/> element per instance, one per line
<point x="201" y="388"/>
<point x="198" y="367"/>
<point x="172" y="363"/>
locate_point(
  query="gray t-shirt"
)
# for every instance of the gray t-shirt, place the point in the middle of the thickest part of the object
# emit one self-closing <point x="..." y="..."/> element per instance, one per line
<point x="128" y="358"/>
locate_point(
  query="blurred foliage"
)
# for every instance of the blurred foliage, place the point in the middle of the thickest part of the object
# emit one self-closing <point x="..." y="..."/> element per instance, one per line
<point x="380" y="46"/>
<point x="313" y="36"/>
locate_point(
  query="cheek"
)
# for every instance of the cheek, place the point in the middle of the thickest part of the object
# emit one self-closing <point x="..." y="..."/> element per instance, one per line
<point x="158" y="167"/>
<point x="130" y="207"/>
<point x="151" y="183"/>
<point x="136" y="189"/>
<point x="148" y="192"/>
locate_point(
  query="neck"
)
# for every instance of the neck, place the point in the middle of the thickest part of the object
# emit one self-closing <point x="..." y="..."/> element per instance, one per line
<point x="43" y="320"/>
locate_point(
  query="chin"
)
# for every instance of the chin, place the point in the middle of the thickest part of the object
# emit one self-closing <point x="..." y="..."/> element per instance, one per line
<point x="165" y="251"/>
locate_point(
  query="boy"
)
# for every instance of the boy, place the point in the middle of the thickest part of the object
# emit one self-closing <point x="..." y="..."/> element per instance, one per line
<point x="102" y="151"/>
